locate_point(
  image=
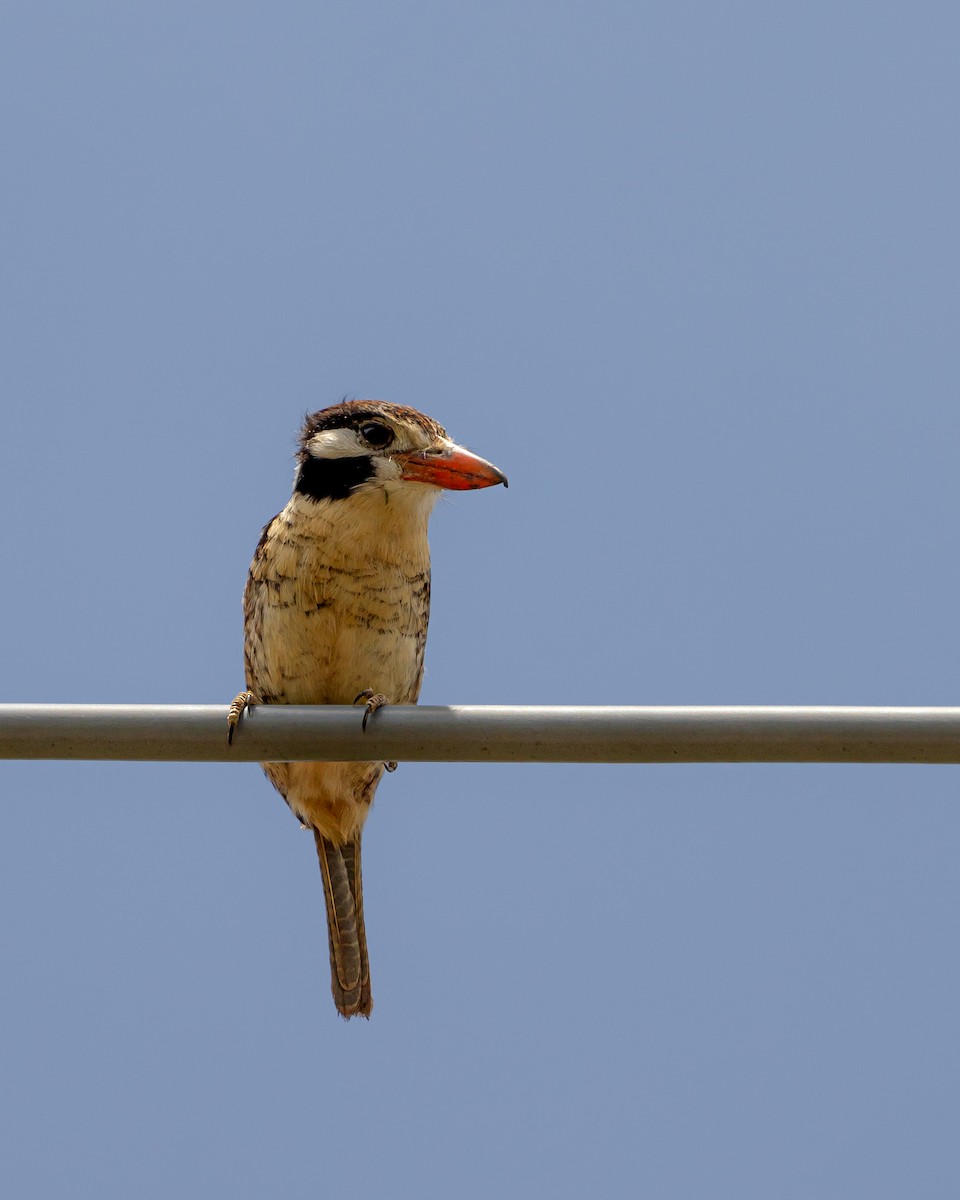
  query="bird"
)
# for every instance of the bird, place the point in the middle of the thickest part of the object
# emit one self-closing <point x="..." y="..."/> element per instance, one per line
<point x="335" y="611"/>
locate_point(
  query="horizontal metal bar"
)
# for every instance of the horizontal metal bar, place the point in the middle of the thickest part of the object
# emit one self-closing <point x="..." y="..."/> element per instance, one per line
<point x="198" y="733"/>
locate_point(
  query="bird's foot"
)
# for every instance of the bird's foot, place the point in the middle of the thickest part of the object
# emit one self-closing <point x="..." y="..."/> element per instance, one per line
<point x="390" y="766"/>
<point x="374" y="701"/>
<point x="236" y="710"/>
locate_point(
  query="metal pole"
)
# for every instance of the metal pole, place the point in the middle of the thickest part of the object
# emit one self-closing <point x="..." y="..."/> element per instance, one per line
<point x="197" y="733"/>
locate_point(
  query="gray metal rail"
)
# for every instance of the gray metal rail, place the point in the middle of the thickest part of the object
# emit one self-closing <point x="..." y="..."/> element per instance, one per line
<point x="198" y="733"/>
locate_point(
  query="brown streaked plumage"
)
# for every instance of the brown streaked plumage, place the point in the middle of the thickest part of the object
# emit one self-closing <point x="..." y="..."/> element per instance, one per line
<point x="336" y="607"/>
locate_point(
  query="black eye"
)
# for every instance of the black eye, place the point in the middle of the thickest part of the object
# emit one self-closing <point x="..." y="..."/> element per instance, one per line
<point x="376" y="435"/>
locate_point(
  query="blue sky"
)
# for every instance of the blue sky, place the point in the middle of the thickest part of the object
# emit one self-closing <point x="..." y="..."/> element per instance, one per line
<point x="688" y="273"/>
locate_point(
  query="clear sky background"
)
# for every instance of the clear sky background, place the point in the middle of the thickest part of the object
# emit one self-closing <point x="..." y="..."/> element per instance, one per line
<point x="689" y="273"/>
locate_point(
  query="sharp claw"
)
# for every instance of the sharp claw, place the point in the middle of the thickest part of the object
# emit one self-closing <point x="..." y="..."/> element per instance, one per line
<point x="236" y="710"/>
<point x="374" y="701"/>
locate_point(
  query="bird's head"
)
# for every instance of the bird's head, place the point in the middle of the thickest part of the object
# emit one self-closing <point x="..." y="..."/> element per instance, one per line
<point x="365" y="444"/>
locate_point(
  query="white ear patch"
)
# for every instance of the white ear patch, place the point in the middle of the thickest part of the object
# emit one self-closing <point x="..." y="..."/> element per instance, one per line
<point x="337" y="443"/>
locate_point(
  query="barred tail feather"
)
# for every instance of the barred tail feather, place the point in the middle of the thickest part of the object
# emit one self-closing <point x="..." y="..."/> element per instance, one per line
<point x="343" y="892"/>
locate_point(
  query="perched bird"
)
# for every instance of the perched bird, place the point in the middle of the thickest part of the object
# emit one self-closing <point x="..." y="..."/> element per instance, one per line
<point x="335" y="611"/>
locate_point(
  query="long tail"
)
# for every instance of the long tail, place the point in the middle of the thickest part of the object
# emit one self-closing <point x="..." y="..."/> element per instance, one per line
<point x="343" y="892"/>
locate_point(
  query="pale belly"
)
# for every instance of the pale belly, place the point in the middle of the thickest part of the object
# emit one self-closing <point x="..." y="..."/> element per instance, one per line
<point x="322" y="636"/>
<point x="327" y="656"/>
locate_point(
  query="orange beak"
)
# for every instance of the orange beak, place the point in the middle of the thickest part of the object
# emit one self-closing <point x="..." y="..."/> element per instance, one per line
<point x="452" y="467"/>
